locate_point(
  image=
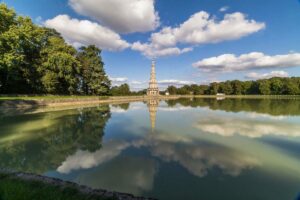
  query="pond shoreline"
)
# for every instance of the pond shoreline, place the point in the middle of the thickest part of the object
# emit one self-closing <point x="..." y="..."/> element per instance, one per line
<point x="28" y="102"/>
<point x="60" y="185"/>
<point x="56" y="102"/>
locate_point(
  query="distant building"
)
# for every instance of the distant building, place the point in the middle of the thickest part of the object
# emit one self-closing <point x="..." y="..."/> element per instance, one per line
<point x="167" y="93"/>
<point x="220" y="94"/>
<point x="153" y="88"/>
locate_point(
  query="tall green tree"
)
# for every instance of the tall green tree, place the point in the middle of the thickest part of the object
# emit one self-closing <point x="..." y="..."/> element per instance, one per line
<point x="94" y="80"/>
<point x="237" y="87"/>
<point x="20" y="45"/>
<point x="291" y="87"/>
<point x="59" y="67"/>
<point x="214" y="88"/>
<point x="122" y="90"/>
<point x="264" y="87"/>
<point x="172" y="89"/>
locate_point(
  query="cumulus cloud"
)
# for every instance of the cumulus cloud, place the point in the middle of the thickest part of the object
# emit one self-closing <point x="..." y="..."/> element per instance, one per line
<point x="150" y="51"/>
<point x="175" y="82"/>
<point x="137" y="82"/>
<point x="116" y="81"/>
<point x="200" y="28"/>
<point x="254" y="60"/>
<point x="123" y="16"/>
<point x="254" y="75"/>
<point x="84" y="32"/>
<point x="224" y="9"/>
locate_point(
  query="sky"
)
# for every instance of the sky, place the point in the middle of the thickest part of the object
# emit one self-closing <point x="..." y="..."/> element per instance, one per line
<point x="192" y="41"/>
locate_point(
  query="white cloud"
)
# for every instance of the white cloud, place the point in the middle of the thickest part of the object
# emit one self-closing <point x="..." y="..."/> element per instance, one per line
<point x="123" y="16"/>
<point x="84" y="32"/>
<point x="200" y="28"/>
<point x="254" y="60"/>
<point x="175" y="82"/>
<point x="150" y="51"/>
<point x="137" y="82"/>
<point x="119" y="79"/>
<point x="224" y="9"/>
<point x="116" y="81"/>
<point x="254" y="75"/>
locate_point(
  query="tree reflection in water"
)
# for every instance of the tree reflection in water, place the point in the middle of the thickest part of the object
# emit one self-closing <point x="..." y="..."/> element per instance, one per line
<point x="41" y="142"/>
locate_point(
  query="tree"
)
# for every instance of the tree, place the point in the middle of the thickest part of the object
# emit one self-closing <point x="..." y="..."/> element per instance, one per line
<point x="172" y="90"/>
<point x="237" y="87"/>
<point x="36" y="59"/>
<point x="184" y="90"/>
<point x="213" y="88"/>
<point x="264" y="87"/>
<point x="291" y="87"/>
<point x="226" y="88"/>
<point x="20" y="45"/>
<point x="276" y="86"/>
<point x="60" y="67"/>
<point x="94" y="80"/>
<point x="7" y="17"/>
<point x="204" y="89"/>
<point x="121" y="90"/>
<point x="195" y="89"/>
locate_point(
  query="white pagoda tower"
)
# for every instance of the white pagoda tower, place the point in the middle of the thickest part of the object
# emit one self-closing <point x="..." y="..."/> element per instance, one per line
<point x="153" y="88"/>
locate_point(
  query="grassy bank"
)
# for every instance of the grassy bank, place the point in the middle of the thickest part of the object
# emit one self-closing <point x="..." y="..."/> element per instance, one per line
<point x="23" y="186"/>
<point x="14" y="188"/>
<point x="33" y="101"/>
<point x="49" y="100"/>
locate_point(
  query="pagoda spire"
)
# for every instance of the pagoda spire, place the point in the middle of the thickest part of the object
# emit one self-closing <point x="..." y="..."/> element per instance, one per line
<point x="153" y="88"/>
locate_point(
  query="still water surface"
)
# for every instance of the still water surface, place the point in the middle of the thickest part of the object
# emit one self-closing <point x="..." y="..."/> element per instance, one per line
<point x="177" y="149"/>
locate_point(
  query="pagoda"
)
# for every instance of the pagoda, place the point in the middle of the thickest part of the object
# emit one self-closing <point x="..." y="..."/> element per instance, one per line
<point x="153" y="88"/>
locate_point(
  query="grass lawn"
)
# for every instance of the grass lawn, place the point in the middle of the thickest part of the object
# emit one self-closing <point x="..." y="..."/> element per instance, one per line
<point x="13" y="188"/>
<point x="49" y="97"/>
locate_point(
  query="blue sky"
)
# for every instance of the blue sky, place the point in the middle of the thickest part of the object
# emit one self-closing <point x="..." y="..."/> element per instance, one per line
<point x="193" y="41"/>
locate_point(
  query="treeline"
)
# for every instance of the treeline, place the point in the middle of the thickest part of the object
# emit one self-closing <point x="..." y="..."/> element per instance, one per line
<point x="37" y="60"/>
<point x="272" y="86"/>
<point x="124" y="90"/>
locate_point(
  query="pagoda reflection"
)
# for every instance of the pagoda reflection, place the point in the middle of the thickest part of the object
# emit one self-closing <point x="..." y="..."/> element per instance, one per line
<point x="152" y="106"/>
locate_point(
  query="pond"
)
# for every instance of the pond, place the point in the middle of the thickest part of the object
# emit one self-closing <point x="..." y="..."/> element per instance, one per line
<point x="194" y="149"/>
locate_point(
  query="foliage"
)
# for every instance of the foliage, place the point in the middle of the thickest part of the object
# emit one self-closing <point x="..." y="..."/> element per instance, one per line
<point x="92" y="75"/>
<point x="272" y="86"/>
<point x="52" y="136"/>
<point x="14" y="188"/>
<point x="37" y="60"/>
<point x="122" y="90"/>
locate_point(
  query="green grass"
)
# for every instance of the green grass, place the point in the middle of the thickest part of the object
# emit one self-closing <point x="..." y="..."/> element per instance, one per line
<point x="50" y="97"/>
<point x="13" y="188"/>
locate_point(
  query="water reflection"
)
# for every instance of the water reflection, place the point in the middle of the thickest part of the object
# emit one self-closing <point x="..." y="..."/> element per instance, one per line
<point x="130" y="174"/>
<point x="249" y="125"/>
<point x="164" y="149"/>
<point x="40" y="142"/>
<point x="274" y="107"/>
<point x="152" y="106"/>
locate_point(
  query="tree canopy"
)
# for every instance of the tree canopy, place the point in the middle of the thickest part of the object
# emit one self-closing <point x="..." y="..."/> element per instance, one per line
<point x="37" y="60"/>
<point x="272" y="86"/>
